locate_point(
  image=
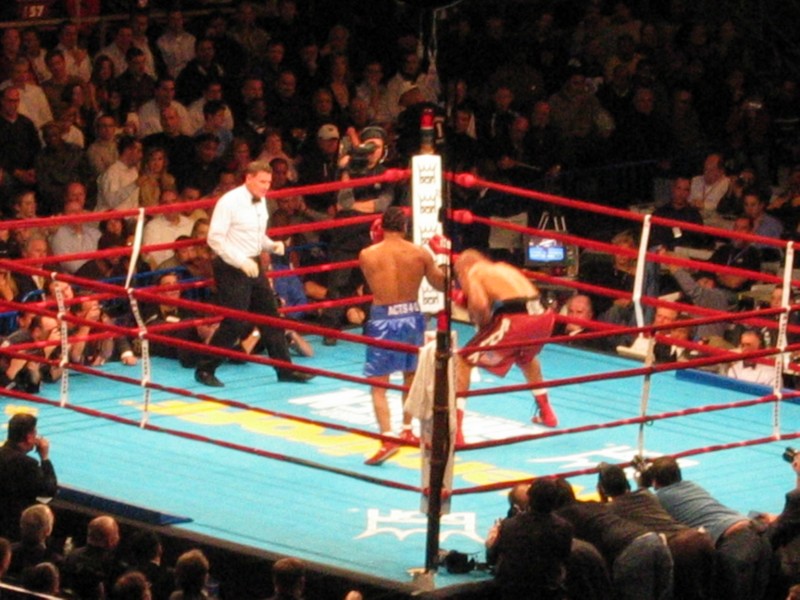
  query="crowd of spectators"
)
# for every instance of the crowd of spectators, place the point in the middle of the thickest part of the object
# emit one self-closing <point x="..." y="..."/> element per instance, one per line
<point x="106" y="567"/>
<point x="604" y="100"/>
<point x="674" y="541"/>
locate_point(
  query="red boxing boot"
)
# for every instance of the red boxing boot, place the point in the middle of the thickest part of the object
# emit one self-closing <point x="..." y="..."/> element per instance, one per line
<point x="545" y="415"/>
<point x="384" y="453"/>
<point x="460" y="428"/>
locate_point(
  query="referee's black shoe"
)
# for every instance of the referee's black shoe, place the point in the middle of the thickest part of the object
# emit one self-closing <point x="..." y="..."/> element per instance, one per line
<point x="207" y="378"/>
<point x="295" y="376"/>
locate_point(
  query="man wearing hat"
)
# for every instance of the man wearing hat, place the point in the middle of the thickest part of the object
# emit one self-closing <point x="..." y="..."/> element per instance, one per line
<point x="319" y="165"/>
<point x="345" y="243"/>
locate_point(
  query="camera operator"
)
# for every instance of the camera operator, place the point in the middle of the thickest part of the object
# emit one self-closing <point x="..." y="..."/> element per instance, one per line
<point x="784" y="535"/>
<point x="365" y="159"/>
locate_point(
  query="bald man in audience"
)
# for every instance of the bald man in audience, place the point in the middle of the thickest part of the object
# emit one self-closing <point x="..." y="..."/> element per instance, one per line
<point x="92" y="569"/>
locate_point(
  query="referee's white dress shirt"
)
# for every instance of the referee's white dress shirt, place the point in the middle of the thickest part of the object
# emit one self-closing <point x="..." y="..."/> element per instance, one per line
<point x="238" y="229"/>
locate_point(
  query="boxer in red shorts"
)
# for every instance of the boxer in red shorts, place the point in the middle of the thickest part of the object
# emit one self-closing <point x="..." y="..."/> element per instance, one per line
<point x="505" y="306"/>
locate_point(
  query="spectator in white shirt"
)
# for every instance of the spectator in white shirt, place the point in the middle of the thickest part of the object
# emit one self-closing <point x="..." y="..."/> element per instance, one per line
<point x="709" y="188"/>
<point x="176" y="44"/>
<point x="33" y="51"/>
<point x="117" y="49"/>
<point x="213" y="91"/>
<point x="118" y="187"/>
<point x="73" y="238"/>
<point x="33" y="101"/>
<point x="78" y="62"/>
<point x="102" y="152"/>
<point x="750" y="369"/>
<point x="150" y="112"/>
<point x="165" y="228"/>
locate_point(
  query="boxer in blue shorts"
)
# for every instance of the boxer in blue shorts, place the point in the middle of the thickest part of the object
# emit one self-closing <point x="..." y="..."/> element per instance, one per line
<point x="394" y="269"/>
<point x="401" y="322"/>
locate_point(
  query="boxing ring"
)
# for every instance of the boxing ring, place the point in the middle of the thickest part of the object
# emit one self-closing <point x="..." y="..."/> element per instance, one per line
<point x="280" y="466"/>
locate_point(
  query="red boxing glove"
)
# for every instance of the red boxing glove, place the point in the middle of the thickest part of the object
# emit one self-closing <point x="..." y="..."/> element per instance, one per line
<point x="376" y="231"/>
<point x="439" y="244"/>
<point x="458" y="297"/>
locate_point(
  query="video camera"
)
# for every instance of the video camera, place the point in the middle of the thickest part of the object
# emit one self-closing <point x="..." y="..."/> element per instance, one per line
<point x="360" y="154"/>
<point x="359" y="157"/>
<point x="458" y="563"/>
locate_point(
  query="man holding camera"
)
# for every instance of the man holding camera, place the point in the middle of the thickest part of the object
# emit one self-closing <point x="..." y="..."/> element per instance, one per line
<point x="23" y="479"/>
<point x="365" y="159"/>
<point x="784" y="535"/>
<point x="743" y="553"/>
<point x="531" y="549"/>
<point x="692" y="551"/>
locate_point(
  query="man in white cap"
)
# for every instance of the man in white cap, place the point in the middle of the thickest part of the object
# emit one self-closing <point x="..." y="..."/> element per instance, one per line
<point x="319" y="165"/>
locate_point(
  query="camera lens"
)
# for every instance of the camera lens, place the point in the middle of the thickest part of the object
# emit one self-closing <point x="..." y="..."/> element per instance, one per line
<point x="789" y="454"/>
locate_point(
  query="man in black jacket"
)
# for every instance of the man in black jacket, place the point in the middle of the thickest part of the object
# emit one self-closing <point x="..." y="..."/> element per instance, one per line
<point x="23" y="479"/>
<point x="530" y="549"/>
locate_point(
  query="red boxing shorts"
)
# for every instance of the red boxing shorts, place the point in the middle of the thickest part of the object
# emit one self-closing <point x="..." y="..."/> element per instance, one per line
<point x="518" y="323"/>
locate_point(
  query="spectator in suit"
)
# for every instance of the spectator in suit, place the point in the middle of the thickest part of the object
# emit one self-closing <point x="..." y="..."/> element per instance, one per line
<point x="531" y="549"/>
<point x="199" y="72"/>
<point x="678" y="209"/>
<point x="19" y="148"/>
<point x="145" y="558"/>
<point x="23" y="479"/>
<point x="191" y="576"/>
<point x="91" y="569"/>
<point x="36" y="526"/>
<point x="36" y="248"/>
<point x="178" y="145"/>
<point x="135" y="85"/>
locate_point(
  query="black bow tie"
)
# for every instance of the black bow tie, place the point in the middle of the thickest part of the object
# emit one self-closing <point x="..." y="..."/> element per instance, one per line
<point x="256" y="200"/>
<point x="749" y="364"/>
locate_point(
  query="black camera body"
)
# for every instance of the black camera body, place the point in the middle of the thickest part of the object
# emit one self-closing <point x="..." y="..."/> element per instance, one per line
<point x="359" y="157"/>
<point x="789" y="454"/>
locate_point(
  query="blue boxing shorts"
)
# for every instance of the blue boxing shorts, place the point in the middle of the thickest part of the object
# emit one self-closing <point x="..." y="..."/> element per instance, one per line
<point x="401" y="322"/>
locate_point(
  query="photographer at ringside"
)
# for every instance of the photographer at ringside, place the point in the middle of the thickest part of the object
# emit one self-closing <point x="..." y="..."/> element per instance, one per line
<point x="784" y="535"/>
<point x="743" y="553"/>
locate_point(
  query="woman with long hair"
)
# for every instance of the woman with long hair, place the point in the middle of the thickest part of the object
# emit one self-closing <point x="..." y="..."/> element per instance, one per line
<point x="100" y="82"/>
<point x="75" y="100"/>
<point x="340" y="82"/>
<point x="274" y="148"/>
<point x="154" y="177"/>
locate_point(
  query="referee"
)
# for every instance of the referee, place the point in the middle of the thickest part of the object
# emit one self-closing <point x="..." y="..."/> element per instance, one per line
<point x="237" y="235"/>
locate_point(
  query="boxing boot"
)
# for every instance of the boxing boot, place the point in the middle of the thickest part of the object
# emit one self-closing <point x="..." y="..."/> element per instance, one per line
<point x="545" y="415"/>
<point x="460" y="428"/>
